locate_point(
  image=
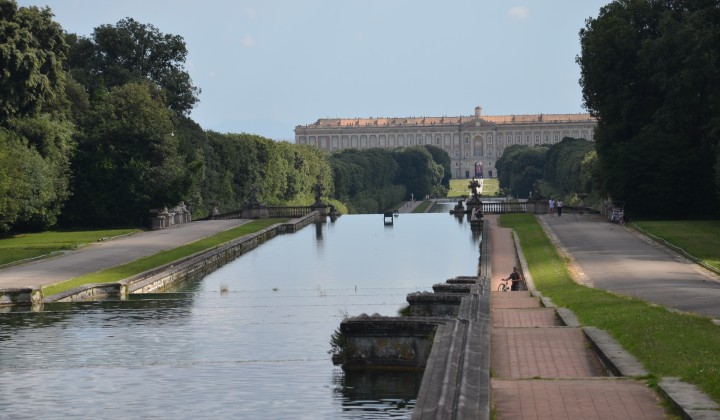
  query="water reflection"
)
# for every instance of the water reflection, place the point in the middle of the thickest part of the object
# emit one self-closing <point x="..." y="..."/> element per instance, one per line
<point x="391" y="393"/>
<point x="250" y="340"/>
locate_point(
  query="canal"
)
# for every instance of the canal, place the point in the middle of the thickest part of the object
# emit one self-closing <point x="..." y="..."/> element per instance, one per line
<point x="250" y="340"/>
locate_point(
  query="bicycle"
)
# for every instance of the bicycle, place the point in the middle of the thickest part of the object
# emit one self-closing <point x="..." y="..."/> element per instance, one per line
<point x="504" y="286"/>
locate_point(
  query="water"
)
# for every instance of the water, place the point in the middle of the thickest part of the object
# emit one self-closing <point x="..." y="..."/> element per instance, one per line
<point x="257" y="350"/>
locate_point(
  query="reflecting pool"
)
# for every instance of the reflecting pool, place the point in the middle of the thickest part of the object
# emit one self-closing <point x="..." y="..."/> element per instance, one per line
<point x="250" y="340"/>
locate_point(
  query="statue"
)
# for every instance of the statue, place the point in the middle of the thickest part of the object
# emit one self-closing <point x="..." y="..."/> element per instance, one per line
<point x="474" y="187"/>
<point x="474" y="204"/>
<point x="253" y="202"/>
<point x="535" y="194"/>
<point x="254" y="209"/>
<point x="319" y="190"/>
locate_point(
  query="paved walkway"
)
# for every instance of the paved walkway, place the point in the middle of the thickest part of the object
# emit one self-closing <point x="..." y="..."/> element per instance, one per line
<point x="613" y="257"/>
<point x="545" y="370"/>
<point x="102" y="255"/>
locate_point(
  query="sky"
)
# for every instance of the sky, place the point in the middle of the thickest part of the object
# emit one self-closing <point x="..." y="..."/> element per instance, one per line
<point x="267" y="66"/>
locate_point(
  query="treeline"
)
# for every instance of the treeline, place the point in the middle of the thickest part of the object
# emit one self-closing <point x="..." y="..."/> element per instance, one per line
<point x="649" y="73"/>
<point x="95" y="131"/>
<point x="566" y="170"/>
<point x="373" y="180"/>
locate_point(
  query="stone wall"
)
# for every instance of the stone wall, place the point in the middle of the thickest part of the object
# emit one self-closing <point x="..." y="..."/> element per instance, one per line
<point x="447" y="334"/>
<point x="198" y="266"/>
<point x="19" y="296"/>
<point x="377" y="341"/>
<point x="183" y="271"/>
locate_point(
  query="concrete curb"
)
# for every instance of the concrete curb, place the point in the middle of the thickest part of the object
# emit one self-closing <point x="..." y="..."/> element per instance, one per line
<point x="616" y="359"/>
<point x="685" y="397"/>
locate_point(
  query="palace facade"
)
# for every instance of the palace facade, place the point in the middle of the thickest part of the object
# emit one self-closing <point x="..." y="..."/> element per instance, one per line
<point x="474" y="142"/>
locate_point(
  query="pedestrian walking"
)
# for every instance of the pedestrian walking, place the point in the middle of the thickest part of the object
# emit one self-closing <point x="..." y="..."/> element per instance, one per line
<point x="515" y="277"/>
<point x="559" y="207"/>
<point x="551" y="206"/>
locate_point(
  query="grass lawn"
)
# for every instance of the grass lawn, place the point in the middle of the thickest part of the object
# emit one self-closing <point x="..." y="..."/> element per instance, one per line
<point x="22" y="246"/>
<point x="666" y="343"/>
<point x="490" y="187"/>
<point x="699" y="238"/>
<point x="459" y="187"/>
<point x="422" y="207"/>
<point x="163" y="257"/>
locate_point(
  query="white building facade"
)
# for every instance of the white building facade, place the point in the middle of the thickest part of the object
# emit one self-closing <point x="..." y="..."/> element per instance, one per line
<point x="474" y="143"/>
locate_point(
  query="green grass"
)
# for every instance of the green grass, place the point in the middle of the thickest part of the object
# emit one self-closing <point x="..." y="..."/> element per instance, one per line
<point x="459" y="187"/>
<point x="18" y="247"/>
<point x="490" y="187"/>
<point x="123" y="271"/>
<point x="666" y="343"/>
<point x="422" y="207"/>
<point x="699" y="238"/>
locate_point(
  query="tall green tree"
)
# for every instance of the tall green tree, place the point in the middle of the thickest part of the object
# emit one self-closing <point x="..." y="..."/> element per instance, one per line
<point x="442" y="158"/>
<point x="563" y="165"/>
<point x="128" y="160"/>
<point x="519" y="167"/>
<point x="32" y="50"/>
<point x="130" y="51"/>
<point x="649" y="72"/>
<point x="34" y="114"/>
<point x="419" y="173"/>
<point x="366" y="179"/>
<point x="25" y="181"/>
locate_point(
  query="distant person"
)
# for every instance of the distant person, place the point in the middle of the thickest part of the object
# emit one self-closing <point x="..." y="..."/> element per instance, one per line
<point x="559" y="207"/>
<point x="551" y="206"/>
<point x="515" y="277"/>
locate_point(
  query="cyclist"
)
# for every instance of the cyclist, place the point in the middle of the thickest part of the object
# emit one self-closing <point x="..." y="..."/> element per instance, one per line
<point x="515" y="277"/>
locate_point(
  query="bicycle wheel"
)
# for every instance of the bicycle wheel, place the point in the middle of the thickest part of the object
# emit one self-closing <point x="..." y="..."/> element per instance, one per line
<point x="502" y="287"/>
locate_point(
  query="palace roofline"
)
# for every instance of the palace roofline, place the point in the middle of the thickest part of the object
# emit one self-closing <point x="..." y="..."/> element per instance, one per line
<point x="435" y="121"/>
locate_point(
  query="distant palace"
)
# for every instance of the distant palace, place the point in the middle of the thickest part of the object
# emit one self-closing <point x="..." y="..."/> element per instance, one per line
<point x="473" y="142"/>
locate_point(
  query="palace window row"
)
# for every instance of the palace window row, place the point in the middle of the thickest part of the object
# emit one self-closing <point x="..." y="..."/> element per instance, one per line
<point x="444" y="140"/>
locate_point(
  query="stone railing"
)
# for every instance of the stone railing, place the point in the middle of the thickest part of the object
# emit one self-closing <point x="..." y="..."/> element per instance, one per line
<point x="164" y="218"/>
<point x="532" y="207"/>
<point x="513" y="207"/>
<point x="266" y="212"/>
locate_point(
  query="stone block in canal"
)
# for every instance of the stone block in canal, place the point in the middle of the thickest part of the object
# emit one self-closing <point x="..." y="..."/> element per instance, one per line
<point x="463" y="280"/>
<point x="386" y="342"/>
<point x="452" y="288"/>
<point x="444" y="305"/>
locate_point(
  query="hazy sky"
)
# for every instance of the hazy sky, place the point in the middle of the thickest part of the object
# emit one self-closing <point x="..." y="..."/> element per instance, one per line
<point x="265" y="66"/>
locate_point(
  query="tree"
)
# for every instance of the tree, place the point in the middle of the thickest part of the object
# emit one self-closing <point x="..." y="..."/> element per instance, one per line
<point x="563" y="165"/>
<point x="649" y="73"/>
<point x="32" y="49"/>
<point x="519" y="167"/>
<point x="132" y="52"/>
<point x="366" y="179"/>
<point x="442" y="158"/>
<point x="25" y="181"/>
<point x="52" y="140"/>
<point x="128" y="158"/>
<point x="33" y="115"/>
<point x="419" y="173"/>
